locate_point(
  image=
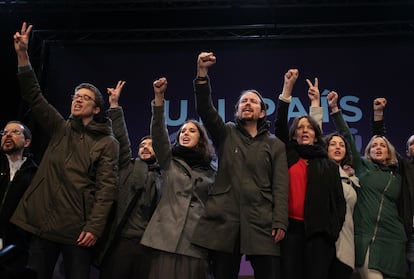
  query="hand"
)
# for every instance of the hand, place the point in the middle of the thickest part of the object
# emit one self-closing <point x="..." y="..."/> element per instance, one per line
<point x="21" y="39"/>
<point x="115" y="93"/>
<point x="206" y="60"/>
<point x="159" y="85"/>
<point x="349" y="170"/>
<point x="379" y="104"/>
<point x="278" y="234"/>
<point x="313" y="93"/>
<point x="332" y="99"/>
<point x="289" y="81"/>
<point x="86" y="239"/>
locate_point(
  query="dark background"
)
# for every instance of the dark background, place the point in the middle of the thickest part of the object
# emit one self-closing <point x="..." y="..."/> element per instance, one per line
<point x="359" y="48"/>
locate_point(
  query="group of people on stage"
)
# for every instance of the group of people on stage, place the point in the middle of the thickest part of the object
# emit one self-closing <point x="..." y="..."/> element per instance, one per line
<point x="297" y="202"/>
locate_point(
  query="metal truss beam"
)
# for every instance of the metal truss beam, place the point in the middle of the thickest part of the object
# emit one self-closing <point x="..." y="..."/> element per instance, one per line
<point x="157" y="4"/>
<point x="259" y="32"/>
<point x="81" y="6"/>
<point x="229" y="33"/>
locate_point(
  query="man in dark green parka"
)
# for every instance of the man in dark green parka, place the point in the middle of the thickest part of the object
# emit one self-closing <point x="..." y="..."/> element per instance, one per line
<point x="68" y="201"/>
<point x="246" y="213"/>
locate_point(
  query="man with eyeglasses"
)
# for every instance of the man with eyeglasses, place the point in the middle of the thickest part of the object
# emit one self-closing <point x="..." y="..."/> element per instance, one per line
<point x="16" y="172"/>
<point x="67" y="205"/>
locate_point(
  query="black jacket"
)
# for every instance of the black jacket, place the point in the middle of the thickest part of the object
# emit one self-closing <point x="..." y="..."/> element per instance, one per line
<point x="324" y="210"/>
<point x="10" y="195"/>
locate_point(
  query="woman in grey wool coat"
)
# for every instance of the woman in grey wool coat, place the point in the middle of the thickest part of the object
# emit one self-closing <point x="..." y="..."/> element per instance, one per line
<point x="187" y="177"/>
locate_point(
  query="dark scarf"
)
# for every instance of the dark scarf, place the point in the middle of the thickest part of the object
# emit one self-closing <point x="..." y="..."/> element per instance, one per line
<point x="307" y="152"/>
<point x="192" y="156"/>
<point x="324" y="201"/>
<point x="151" y="162"/>
<point x="262" y="126"/>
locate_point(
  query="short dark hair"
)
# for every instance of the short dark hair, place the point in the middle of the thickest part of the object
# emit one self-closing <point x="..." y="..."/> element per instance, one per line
<point x="144" y="138"/>
<point x="26" y="131"/>
<point x="99" y="100"/>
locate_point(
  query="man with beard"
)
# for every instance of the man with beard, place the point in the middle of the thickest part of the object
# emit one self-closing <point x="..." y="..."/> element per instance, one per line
<point x="247" y="210"/>
<point x="16" y="172"/>
<point x="139" y="191"/>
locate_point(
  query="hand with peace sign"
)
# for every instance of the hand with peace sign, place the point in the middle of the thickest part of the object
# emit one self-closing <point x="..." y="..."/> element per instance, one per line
<point x="313" y="93"/>
<point x="115" y="93"/>
<point x="21" y="43"/>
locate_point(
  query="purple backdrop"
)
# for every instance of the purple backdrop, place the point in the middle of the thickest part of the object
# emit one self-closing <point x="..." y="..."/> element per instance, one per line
<point x="358" y="74"/>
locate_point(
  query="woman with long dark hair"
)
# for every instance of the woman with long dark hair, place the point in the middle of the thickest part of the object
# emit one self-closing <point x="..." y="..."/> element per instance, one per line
<point x="316" y="200"/>
<point x="187" y="176"/>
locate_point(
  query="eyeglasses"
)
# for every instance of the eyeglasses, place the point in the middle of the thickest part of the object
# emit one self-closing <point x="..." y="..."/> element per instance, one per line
<point x="13" y="132"/>
<point x="83" y="97"/>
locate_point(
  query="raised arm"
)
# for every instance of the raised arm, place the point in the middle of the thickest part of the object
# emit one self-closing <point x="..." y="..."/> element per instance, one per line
<point x="204" y="104"/>
<point x="204" y="61"/>
<point x="378" y="125"/>
<point x="159" y="133"/>
<point x="116" y="114"/>
<point x="45" y="114"/>
<point x="21" y="43"/>
<point x="343" y="129"/>
<point x="315" y="110"/>
<point x="284" y="99"/>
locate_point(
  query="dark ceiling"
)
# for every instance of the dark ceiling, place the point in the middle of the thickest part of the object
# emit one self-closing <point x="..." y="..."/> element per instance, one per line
<point x="87" y="21"/>
<point x="175" y="19"/>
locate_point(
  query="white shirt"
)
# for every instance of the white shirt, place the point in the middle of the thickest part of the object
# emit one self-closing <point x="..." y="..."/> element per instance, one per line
<point x="15" y="166"/>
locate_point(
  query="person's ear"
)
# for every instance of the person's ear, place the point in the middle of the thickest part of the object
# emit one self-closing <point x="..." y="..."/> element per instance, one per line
<point x="27" y="143"/>
<point x="262" y="114"/>
<point x="96" y="110"/>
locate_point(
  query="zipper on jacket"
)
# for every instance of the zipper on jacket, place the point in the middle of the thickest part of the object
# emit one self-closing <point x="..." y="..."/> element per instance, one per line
<point x="380" y="208"/>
